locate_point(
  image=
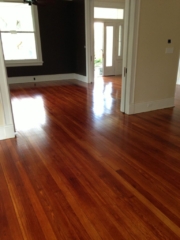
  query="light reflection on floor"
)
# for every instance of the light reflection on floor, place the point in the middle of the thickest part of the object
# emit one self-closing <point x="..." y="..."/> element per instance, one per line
<point x="29" y="113"/>
<point x="102" y="97"/>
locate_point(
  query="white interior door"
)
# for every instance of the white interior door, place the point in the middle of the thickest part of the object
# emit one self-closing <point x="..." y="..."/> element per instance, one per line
<point x="109" y="40"/>
<point x="118" y="48"/>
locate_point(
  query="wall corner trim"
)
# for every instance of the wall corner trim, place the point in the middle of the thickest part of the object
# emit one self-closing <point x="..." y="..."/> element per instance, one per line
<point x="151" y="105"/>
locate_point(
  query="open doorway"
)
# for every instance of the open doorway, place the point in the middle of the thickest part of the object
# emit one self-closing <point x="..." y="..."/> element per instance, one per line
<point x="108" y="44"/>
<point x="131" y="13"/>
<point x="108" y="41"/>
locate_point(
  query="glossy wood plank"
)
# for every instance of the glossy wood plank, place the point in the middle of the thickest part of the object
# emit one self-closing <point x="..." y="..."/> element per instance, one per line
<point x="9" y="227"/>
<point x="80" y="169"/>
<point x="25" y="213"/>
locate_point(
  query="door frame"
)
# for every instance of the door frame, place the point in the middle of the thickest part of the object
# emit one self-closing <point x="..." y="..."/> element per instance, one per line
<point x="89" y="32"/>
<point x="131" y="30"/>
<point x="7" y="130"/>
<point x="131" y="33"/>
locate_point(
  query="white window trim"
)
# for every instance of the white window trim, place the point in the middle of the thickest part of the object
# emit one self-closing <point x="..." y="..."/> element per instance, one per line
<point x="109" y="4"/>
<point x="30" y="62"/>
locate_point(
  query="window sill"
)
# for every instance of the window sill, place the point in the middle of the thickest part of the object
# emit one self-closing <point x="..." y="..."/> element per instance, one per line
<point x="23" y="64"/>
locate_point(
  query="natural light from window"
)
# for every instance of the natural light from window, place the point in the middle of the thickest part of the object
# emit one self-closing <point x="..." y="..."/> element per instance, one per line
<point x="17" y="31"/>
<point x="29" y="113"/>
<point x="108" y="13"/>
<point x="109" y="46"/>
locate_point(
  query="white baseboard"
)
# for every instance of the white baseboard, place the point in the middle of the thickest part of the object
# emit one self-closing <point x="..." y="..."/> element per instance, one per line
<point x="151" y="106"/>
<point x="80" y="78"/>
<point x="44" y="78"/>
<point x="7" y="132"/>
<point x="2" y="133"/>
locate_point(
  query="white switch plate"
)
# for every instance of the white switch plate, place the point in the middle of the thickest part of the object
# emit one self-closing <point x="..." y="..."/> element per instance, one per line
<point x="169" y="50"/>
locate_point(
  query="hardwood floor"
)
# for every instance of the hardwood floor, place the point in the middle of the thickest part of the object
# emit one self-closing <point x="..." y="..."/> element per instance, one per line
<point x="80" y="169"/>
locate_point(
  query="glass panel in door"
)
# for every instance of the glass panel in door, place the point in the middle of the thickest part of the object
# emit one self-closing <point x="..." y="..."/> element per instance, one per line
<point x="98" y="48"/>
<point x="109" y="46"/>
<point x="109" y="50"/>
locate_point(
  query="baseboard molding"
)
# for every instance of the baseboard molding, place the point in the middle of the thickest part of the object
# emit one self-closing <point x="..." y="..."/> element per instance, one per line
<point x="80" y="78"/>
<point x="44" y="78"/>
<point x="151" y="106"/>
<point x="2" y="133"/>
<point x="7" y="132"/>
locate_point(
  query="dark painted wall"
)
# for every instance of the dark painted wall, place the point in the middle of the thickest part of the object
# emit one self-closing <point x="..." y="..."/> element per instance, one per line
<point x="80" y="37"/>
<point x="62" y="30"/>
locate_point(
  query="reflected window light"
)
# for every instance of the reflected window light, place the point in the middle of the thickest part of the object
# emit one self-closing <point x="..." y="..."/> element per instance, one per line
<point x="98" y="107"/>
<point x="29" y="113"/>
<point x="99" y="85"/>
<point x="107" y="93"/>
<point x="102" y="98"/>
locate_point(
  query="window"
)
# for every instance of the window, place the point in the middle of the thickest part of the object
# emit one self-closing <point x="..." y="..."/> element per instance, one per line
<point x="109" y="45"/>
<point x="20" y="34"/>
<point x="108" y="13"/>
<point x="120" y="42"/>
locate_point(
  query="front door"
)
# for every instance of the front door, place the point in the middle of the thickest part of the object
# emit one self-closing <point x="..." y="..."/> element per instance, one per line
<point x="112" y="64"/>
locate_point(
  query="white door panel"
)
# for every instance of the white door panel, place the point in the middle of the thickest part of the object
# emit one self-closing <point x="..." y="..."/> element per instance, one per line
<point x="118" y="67"/>
<point x="113" y="45"/>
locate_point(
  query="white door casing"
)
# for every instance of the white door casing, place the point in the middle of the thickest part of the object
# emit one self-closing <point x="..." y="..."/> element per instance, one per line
<point x="7" y="130"/>
<point x="89" y="25"/>
<point x="131" y="30"/>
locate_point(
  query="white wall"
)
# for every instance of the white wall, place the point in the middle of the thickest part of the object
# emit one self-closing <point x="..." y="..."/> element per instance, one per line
<point x="156" y="72"/>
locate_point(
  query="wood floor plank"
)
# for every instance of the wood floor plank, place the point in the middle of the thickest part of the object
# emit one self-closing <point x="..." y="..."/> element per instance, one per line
<point x="93" y="193"/>
<point x="80" y="169"/>
<point x="51" y="197"/>
<point x="84" y="199"/>
<point x="40" y="213"/>
<point x="9" y="226"/>
<point x="26" y="216"/>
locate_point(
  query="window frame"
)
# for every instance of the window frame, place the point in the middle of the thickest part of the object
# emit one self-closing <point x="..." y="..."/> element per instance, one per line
<point x="29" y="62"/>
